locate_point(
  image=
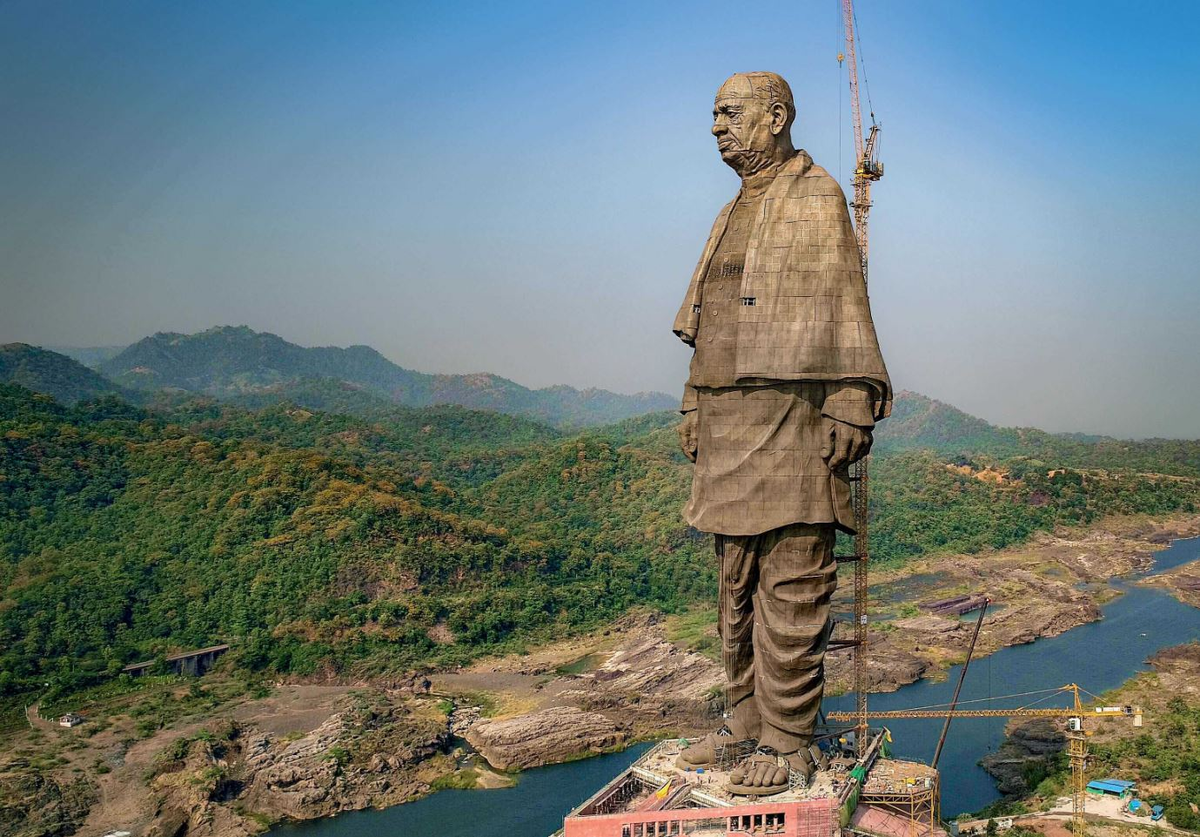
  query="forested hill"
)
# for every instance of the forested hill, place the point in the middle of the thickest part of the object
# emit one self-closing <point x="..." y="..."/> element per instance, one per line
<point x="51" y="373"/>
<point x="317" y="542"/>
<point x="919" y="422"/>
<point x="229" y="362"/>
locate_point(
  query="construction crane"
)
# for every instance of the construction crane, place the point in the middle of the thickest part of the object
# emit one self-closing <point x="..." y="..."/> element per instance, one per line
<point x="867" y="169"/>
<point x="1075" y="715"/>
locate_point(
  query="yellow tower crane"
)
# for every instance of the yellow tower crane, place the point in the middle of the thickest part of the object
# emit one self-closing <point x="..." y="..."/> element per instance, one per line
<point x="1075" y="715"/>
<point x="867" y="169"/>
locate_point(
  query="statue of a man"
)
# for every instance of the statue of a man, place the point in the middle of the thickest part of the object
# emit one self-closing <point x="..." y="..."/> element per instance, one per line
<point x="786" y="384"/>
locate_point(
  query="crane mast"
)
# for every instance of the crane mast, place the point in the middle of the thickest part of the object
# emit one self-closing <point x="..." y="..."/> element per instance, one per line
<point x="866" y="170"/>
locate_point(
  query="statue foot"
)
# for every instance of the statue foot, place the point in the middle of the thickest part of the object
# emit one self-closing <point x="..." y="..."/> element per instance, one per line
<point x="706" y="752"/>
<point x="768" y="772"/>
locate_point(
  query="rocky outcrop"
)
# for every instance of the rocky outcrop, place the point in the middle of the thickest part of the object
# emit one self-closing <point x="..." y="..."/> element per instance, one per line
<point x="653" y="666"/>
<point x="1024" y="757"/>
<point x="1022" y="625"/>
<point x="295" y="777"/>
<point x="463" y="718"/>
<point x="1183" y="582"/>
<point x="651" y="682"/>
<point x="377" y="751"/>
<point x="33" y="805"/>
<point x="551" y="735"/>
<point x="1178" y="669"/>
<point x="888" y="668"/>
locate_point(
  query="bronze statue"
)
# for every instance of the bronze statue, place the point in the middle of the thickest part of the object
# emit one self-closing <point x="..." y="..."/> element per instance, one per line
<point x="786" y="384"/>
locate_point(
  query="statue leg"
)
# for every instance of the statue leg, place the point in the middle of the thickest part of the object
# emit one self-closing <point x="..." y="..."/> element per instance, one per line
<point x="796" y="580"/>
<point x="737" y="559"/>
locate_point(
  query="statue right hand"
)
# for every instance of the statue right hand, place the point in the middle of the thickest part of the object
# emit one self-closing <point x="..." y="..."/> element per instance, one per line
<point x="688" y="435"/>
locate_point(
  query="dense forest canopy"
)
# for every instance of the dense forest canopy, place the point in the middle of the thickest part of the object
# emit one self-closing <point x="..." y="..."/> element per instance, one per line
<point x="315" y="540"/>
<point x="319" y="541"/>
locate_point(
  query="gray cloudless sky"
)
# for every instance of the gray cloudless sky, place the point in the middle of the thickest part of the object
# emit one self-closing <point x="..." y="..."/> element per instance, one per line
<point x="524" y="188"/>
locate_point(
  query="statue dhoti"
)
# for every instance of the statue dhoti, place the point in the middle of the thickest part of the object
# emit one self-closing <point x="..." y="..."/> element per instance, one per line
<point x="786" y="384"/>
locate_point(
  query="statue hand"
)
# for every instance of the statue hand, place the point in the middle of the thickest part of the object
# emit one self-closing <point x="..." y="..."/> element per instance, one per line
<point x="688" y="435"/>
<point x="844" y="444"/>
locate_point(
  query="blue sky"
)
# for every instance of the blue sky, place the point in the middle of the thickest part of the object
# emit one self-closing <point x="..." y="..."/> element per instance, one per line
<point x="524" y="188"/>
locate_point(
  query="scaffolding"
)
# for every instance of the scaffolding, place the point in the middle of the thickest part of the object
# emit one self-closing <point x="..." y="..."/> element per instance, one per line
<point x="901" y="799"/>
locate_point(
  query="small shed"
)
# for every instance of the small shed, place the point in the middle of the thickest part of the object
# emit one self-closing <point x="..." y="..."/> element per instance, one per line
<point x="70" y="720"/>
<point x="1110" y="787"/>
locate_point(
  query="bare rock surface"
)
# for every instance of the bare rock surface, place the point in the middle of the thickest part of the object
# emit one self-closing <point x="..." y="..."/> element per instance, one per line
<point x="278" y="759"/>
<point x="1025" y="754"/>
<point x="1183" y="582"/>
<point x="463" y="718"/>
<point x="1022" y="625"/>
<point x="33" y="804"/>
<point x="1178" y="669"/>
<point x="651" y="683"/>
<point x="930" y="624"/>
<point x="551" y="735"/>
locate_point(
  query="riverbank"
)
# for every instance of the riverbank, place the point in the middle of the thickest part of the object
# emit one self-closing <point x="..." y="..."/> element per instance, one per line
<point x="232" y="765"/>
<point x="1162" y="757"/>
<point x="1101" y="654"/>
<point x="651" y="675"/>
<point x="1043" y="588"/>
<point x="231" y="762"/>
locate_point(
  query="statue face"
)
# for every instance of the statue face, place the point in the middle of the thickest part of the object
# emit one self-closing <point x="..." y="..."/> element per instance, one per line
<point x="745" y="126"/>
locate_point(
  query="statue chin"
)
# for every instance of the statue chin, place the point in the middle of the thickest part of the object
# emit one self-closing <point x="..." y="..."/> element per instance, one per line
<point x="745" y="162"/>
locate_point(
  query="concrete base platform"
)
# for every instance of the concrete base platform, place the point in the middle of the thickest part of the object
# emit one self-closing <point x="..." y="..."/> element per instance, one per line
<point x="655" y="798"/>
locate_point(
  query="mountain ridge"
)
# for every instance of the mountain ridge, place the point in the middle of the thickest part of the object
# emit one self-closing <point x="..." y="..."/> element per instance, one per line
<point x="230" y="361"/>
<point x="240" y="365"/>
<point x="89" y="356"/>
<point x="53" y="374"/>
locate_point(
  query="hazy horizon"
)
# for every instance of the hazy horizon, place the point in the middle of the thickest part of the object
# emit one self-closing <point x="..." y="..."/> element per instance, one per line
<point x="524" y="190"/>
<point x="120" y="347"/>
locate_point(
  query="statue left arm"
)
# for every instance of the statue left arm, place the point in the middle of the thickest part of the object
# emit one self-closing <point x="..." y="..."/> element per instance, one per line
<point x="849" y="414"/>
<point x="689" y="426"/>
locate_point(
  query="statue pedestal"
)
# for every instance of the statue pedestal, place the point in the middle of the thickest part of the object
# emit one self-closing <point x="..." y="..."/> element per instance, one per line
<point x="874" y="795"/>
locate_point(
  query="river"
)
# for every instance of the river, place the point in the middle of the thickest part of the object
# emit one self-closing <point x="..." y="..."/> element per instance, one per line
<point x="1098" y="656"/>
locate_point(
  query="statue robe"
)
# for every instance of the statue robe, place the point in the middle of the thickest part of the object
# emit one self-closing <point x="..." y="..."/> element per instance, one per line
<point x="805" y="351"/>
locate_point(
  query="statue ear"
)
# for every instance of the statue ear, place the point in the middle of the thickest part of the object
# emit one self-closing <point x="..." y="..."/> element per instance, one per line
<point x="778" y="118"/>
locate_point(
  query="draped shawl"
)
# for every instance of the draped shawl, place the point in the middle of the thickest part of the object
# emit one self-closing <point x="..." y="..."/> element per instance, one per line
<point x="805" y="315"/>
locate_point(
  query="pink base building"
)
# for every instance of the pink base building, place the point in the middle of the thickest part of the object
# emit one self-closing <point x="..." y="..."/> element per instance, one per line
<point x="874" y="796"/>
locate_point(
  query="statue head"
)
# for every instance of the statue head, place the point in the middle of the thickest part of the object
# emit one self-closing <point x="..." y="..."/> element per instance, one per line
<point x="752" y="121"/>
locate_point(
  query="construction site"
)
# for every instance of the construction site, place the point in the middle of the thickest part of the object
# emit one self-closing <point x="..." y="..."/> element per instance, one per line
<point x="871" y="794"/>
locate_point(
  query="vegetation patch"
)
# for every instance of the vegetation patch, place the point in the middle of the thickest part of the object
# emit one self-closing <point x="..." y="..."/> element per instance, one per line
<point x="464" y="779"/>
<point x="696" y="630"/>
<point x="321" y="544"/>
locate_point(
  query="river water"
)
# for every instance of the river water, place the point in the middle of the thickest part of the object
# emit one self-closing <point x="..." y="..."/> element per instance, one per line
<point x="1098" y="656"/>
